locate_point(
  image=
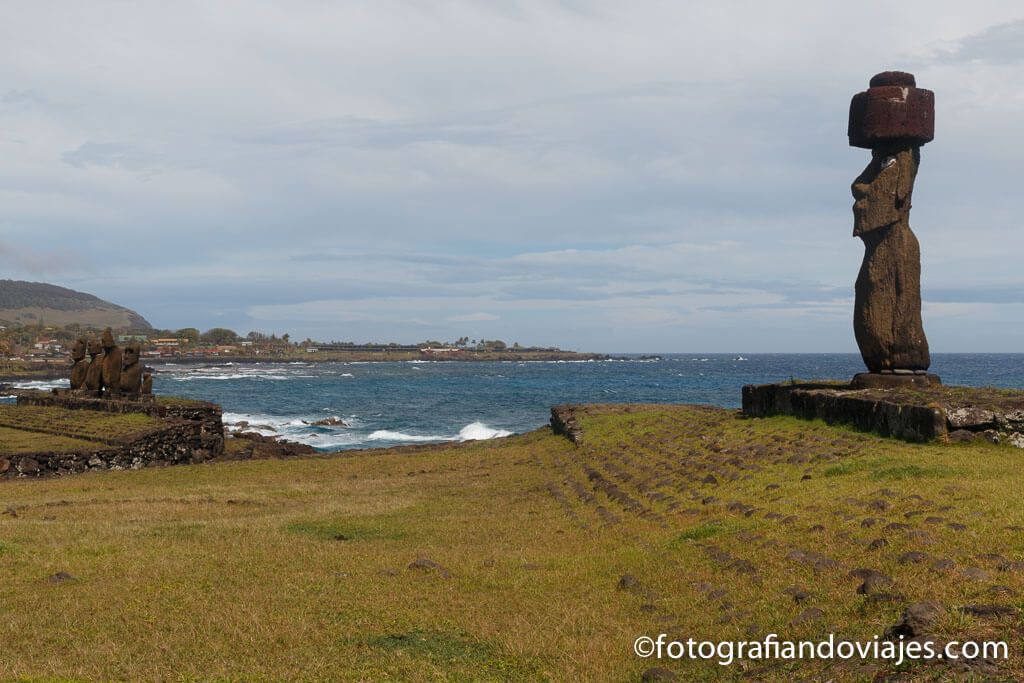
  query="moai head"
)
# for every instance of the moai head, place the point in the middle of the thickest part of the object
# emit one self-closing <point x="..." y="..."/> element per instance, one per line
<point x="892" y="118"/>
<point x="78" y="350"/>
<point x="130" y="355"/>
<point x="108" y="339"/>
<point x="95" y="348"/>
<point x="883" y="190"/>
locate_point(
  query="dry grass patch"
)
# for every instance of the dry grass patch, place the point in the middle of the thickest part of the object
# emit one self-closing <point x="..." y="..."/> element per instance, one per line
<point x="300" y="569"/>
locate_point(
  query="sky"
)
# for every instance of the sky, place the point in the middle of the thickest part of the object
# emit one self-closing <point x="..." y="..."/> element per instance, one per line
<point x="644" y="176"/>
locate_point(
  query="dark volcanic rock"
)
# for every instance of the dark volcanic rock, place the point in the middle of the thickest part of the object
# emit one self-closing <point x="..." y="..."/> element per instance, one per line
<point x="429" y="566"/>
<point x="916" y="619"/>
<point x="61" y="577"/>
<point x="809" y="614"/>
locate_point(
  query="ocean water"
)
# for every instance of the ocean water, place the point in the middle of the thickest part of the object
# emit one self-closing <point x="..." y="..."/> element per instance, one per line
<point x="384" y="404"/>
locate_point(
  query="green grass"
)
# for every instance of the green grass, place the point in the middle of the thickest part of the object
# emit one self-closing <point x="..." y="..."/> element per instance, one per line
<point x="235" y="571"/>
<point x="17" y="442"/>
<point x="88" y="425"/>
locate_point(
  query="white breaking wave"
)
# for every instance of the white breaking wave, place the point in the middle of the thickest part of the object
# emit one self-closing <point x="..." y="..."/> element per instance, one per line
<point x="388" y="435"/>
<point x="478" y="431"/>
<point x="42" y="384"/>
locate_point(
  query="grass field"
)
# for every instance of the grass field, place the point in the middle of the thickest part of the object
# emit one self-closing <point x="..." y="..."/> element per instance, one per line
<point x="546" y="560"/>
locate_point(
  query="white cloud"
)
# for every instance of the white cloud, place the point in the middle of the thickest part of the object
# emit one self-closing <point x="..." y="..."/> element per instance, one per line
<point x="593" y="173"/>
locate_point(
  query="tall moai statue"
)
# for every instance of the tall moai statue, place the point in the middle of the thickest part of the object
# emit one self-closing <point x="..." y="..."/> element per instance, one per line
<point x="893" y="119"/>
<point x="80" y="367"/>
<point x="112" y="360"/>
<point x="94" y="373"/>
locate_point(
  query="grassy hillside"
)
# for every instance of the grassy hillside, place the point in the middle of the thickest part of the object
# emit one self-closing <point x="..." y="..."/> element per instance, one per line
<point x="520" y="559"/>
<point x="27" y="303"/>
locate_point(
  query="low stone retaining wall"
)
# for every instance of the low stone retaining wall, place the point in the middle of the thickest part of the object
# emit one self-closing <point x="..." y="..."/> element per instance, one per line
<point x="187" y="433"/>
<point x="953" y="413"/>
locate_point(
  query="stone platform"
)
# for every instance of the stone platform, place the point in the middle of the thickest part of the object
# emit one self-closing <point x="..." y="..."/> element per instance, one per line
<point x="177" y="431"/>
<point x="914" y="413"/>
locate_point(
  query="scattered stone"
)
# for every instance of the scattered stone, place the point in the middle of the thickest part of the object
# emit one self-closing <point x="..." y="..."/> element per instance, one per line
<point x="913" y="557"/>
<point x="976" y="574"/>
<point x="809" y="614"/>
<point x="61" y="577"/>
<point x="797" y="593"/>
<point x="876" y="582"/>
<point x="882" y="598"/>
<point x="657" y="675"/>
<point x="710" y="479"/>
<point x="10" y="511"/>
<point x="916" y="619"/>
<point x="943" y="565"/>
<point x="1000" y="589"/>
<point x="989" y="611"/>
<point x="879" y="505"/>
<point x="1014" y="566"/>
<point x="531" y="567"/>
<point x="956" y="526"/>
<point x="628" y="582"/>
<point x="426" y="565"/>
<point x="877" y="543"/>
<point x="961" y="436"/>
<point x="921" y="537"/>
<point x="934" y="520"/>
<point x="743" y="567"/>
<point x="388" y="572"/>
<point x="992" y="557"/>
<point x="868" y="522"/>
<point x="897" y="526"/>
<point x="648" y="608"/>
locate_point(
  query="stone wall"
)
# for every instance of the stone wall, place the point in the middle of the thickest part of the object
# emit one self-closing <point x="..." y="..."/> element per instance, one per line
<point x="824" y="402"/>
<point x="187" y="433"/>
<point x="940" y="413"/>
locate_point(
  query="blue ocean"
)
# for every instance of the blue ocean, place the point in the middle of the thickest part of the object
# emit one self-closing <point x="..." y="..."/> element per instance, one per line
<point x="386" y="404"/>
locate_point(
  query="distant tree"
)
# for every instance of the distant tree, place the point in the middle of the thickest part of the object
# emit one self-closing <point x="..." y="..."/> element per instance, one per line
<point x="218" y="335"/>
<point x="190" y="334"/>
<point x="286" y="338"/>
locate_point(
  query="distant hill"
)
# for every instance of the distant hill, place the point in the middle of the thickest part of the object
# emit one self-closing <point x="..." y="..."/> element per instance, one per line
<point x="25" y="303"/>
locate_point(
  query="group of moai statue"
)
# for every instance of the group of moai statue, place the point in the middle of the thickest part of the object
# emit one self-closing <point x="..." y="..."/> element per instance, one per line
<point x="111" y="371"/>
<point x="893" y="119"/>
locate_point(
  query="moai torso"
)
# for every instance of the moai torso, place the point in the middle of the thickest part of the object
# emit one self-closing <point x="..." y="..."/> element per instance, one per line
<point x="94" y="373"/>
<point x="112" y="361"/>
<point x="131" y="371"/>
<point x="80" y="367"/>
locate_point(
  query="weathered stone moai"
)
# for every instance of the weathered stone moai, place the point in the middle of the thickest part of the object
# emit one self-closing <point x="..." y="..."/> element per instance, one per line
<point x="112" y="362"/>
<point x="94" y="374"/>
<point x="893" y="119"/>
<point x="147" y="385"/>
<point x="80" y="367"/>
<point x="131" y="370"/>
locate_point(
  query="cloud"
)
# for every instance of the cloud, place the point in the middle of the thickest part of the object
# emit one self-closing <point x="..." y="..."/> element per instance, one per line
<point x="39" y="263"/>
<point x="473" y="317"/>
<point x="580" y="170"/>
<point x="999" y="44"/>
